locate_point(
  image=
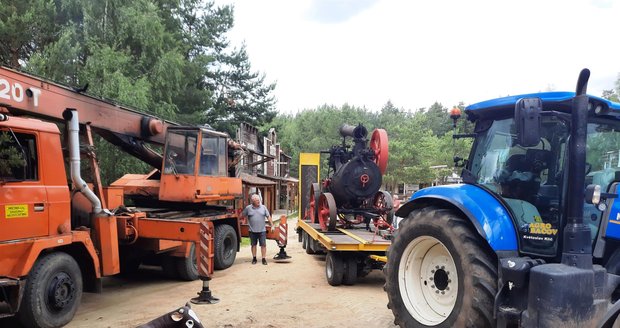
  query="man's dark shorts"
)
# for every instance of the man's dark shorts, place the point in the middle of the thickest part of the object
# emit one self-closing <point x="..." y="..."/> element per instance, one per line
<point x="255" y="237"/>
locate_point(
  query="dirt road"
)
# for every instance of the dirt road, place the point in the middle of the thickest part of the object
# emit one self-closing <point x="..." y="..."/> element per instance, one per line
<point x="293" y="294"/>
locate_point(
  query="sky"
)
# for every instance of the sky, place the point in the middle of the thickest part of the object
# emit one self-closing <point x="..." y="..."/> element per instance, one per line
<point x="418" y="52"/>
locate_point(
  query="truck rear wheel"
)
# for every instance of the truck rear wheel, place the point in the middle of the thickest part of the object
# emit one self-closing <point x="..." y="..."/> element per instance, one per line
<point x="53" y="292"/>
<point x="225" y="242"/>
<point x="334" y="268"/>
<point x="187" y="268"/>
<point x="440" y="273"/>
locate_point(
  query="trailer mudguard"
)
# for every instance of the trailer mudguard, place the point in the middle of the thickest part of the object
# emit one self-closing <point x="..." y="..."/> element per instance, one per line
<point x="488" y="215"/>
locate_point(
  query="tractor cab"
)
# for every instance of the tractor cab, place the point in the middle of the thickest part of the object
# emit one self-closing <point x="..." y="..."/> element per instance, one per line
<point x="520" y="156"/>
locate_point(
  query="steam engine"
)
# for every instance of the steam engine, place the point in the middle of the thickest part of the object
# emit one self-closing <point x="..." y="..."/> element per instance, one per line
<point x="356" y="177"/>
<point x="351" y="194"/>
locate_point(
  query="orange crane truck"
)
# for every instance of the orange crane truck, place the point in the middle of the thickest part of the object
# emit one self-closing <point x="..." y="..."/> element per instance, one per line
<point x="58" y="239"/>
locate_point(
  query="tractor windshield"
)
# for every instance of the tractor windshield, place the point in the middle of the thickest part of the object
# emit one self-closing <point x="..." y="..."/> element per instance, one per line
<point x="531" y="180"/>
<point x="527" y="179"/>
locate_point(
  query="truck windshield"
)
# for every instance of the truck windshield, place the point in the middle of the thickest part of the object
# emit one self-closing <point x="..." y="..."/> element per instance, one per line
<point x="181" y="152"/>
<point x="528" y="179"/>
<point x="213" y="156"/>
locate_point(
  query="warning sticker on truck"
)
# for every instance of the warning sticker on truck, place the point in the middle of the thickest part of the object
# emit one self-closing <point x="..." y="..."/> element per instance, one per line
<point x="16" y="211"/>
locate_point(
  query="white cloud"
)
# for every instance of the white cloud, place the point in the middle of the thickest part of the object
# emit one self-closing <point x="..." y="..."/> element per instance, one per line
<point x="418" y="52"/>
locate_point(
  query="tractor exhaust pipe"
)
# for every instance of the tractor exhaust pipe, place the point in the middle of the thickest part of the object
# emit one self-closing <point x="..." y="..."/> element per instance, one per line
<point x="577" y="244"/>
<point x="71" y="116"/>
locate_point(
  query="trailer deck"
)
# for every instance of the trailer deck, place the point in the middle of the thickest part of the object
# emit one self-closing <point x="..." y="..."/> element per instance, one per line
<point x="356" y="238"/>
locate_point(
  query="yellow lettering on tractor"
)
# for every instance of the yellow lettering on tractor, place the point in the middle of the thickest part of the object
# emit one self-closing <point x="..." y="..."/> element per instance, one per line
<point x="542" y="229"/>
<point x="16" y="211"/>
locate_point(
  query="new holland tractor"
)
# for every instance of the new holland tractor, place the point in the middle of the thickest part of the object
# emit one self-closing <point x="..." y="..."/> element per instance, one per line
<point x="530" y="238"/>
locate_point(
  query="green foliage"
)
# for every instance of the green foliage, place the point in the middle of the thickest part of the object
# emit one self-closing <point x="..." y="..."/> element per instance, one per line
<point x="414" y="146"/>
<point x="10" y="157"/>
<point x="170" y="58"/>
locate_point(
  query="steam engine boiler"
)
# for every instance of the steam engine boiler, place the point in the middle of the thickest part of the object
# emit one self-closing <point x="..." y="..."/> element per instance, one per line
<point x="351" y="193"/>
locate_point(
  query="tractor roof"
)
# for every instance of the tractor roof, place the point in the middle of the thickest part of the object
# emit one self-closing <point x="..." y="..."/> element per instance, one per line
<point x="558" y="101"/>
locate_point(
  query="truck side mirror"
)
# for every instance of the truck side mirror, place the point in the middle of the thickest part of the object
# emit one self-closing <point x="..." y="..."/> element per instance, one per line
<point x="527" y="118"/>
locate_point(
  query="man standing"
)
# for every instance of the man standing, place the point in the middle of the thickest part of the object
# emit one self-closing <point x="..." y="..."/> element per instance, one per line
<point x="256" y="214"/>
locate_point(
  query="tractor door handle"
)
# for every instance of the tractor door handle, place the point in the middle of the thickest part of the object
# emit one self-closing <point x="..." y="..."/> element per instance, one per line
<point x="39" y="207"/>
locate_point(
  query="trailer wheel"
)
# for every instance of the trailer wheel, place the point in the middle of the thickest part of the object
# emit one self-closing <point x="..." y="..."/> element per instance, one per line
<point x="440" y="273"/>
<point x="225" y="246"/>
<point x="309" y="241"/>
<point x="350" y="271"/>
<point x="304" y="239"/>
<point x="187" y="268"/>
<point x="53" y="292"/>
<point x="334" y="268"/>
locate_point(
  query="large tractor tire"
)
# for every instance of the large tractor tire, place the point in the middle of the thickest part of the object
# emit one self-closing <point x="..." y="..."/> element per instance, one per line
<point x="440" y="272"/>
<point x="53" y="292"/>
<point x="225" y="242"/>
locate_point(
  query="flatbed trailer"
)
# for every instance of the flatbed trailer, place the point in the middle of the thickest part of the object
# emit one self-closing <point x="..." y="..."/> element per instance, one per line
<point x="351" y="253"/>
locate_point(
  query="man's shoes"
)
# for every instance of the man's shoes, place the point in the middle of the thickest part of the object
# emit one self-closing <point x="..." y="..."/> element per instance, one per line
<point x="264" y="262"/>
<point x="254" y="260"/>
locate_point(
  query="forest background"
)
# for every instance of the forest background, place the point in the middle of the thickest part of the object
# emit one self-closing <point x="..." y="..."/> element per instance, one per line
<point x="172" y="59"/>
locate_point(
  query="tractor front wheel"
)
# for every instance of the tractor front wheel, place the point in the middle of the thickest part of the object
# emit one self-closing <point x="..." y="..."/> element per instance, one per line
<point x="440" y="272"/>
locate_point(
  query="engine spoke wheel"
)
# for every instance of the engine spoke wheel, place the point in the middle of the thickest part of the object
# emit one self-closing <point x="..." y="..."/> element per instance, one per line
<point x="315" y="193"/>
<point x="379" y="144"/>
<point x="328" y="215"/>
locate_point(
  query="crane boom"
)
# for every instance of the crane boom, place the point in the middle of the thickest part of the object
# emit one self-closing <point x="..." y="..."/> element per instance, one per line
<point x="127" y="128"/>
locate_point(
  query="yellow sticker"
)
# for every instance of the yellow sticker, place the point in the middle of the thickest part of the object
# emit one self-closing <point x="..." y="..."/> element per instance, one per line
<point x="16" y="211"/>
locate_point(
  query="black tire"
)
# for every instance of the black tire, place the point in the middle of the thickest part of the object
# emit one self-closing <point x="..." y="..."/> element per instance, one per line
<point x="449" y="237"/>
<point x="52" y="293"/>
<point x="334" y="268"/>
<point x="309" y="241"/>
<point x="350" y="271"/>
<point x="304" y="239"/>
<point x="225" y="243"/>
<point x="187" y="268"/>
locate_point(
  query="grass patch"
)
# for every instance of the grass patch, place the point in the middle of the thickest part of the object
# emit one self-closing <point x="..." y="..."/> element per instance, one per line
<point x="245" y="241"/>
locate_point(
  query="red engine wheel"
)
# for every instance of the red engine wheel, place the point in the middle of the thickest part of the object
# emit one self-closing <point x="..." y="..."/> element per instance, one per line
<point x="384" y="204"/>
<point x="315" y="192"/>
<point x="379" y="144"/>
<point x="328" y="214"/>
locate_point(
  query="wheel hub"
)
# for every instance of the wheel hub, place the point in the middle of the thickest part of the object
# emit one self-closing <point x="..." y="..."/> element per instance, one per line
<point x="440" y="279"/>
<point x="61" y="291"/>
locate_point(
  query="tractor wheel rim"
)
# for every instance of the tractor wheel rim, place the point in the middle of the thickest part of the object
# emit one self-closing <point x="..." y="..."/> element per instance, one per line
<point x="428" y="280"/>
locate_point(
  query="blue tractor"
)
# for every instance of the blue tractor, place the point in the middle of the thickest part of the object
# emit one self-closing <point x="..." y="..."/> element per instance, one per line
<point x="531" y="237"/>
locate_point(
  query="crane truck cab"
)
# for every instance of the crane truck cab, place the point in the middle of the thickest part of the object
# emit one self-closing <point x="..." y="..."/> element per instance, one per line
<point x="522" y="241"/>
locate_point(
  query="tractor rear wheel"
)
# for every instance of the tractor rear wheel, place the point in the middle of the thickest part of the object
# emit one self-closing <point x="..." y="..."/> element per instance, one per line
<point x="440" y="272"/>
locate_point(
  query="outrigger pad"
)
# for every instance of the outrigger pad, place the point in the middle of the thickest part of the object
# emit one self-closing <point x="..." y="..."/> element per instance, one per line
<point x="281" y="256"/>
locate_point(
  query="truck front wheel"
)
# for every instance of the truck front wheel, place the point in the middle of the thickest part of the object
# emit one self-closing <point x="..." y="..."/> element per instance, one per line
<point x="53" y="292"/>
<point x="440" y="273"/>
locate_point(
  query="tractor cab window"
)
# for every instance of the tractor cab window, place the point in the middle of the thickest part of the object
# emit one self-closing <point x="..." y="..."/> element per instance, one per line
<point x="180" y="154"/>
<point x="213" y="156"/>
<point x="527" y="179"/>
<point x="602" y="164"/>
<point x="18" y="156"/>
